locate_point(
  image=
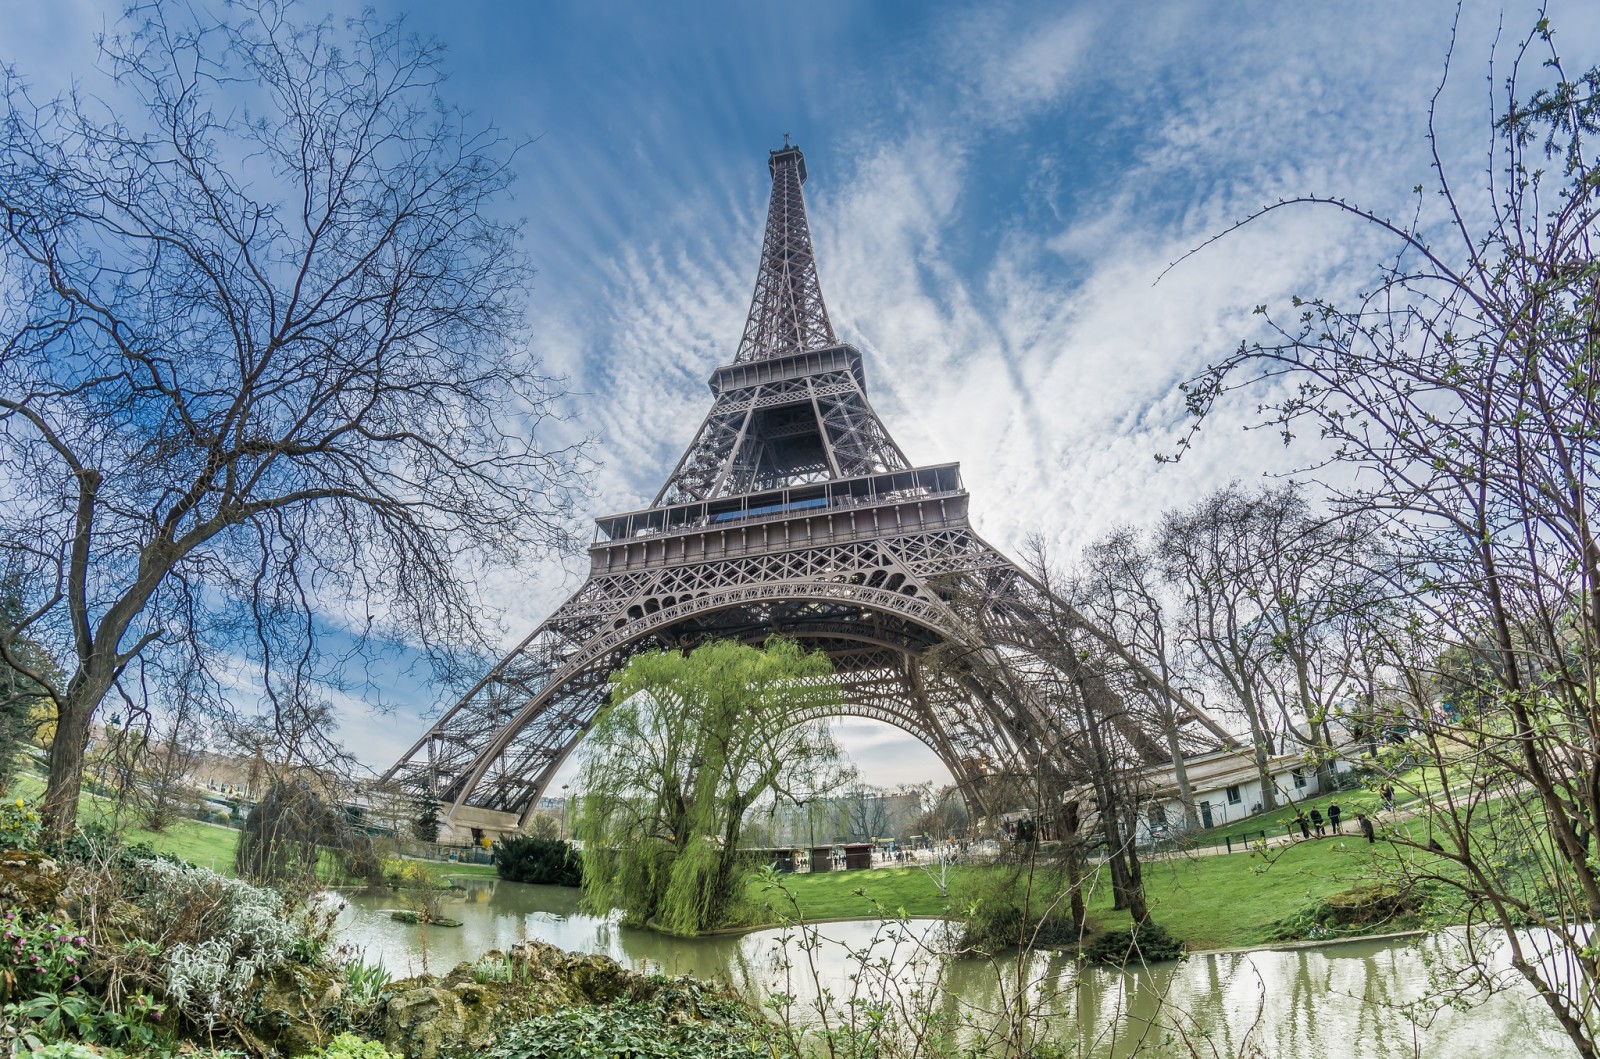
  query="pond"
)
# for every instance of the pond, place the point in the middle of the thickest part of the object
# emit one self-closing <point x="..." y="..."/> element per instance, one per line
<point x="1358" y="999"/>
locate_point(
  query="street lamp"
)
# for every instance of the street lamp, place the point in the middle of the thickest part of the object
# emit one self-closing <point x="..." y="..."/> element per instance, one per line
<point x="564" y="787"/>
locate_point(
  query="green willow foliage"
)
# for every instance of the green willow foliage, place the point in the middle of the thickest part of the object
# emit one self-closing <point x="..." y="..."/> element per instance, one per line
<point x="689" y="743"/>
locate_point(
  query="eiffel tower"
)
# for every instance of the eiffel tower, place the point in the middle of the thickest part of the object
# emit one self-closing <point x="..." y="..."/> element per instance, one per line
<point x="792" y="511"/>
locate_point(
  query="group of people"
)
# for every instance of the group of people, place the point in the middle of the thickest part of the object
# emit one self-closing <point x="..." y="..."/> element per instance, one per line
<point x="1334" y="822"/>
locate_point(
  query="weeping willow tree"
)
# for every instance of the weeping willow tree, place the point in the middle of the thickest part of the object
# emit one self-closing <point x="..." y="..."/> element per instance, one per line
<point x="689" y="743"/>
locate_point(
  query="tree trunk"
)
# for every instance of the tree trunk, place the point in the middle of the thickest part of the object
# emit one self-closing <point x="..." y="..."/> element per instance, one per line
<point x="1137" y="907"/>
<point x="1120" y="885"/>
<point x="60" y="807"/>
<point x="1180" y="770"/>
<point x="1073" y="850"/>
<point x="1262" y="747"/>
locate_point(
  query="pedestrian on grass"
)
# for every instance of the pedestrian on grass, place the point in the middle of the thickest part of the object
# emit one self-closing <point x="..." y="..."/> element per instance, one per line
<point x="1305" y="828"/>
<point x="1366" y="827"/>
<point x="1316" y="822"/>
<point x="1333" y="817"/>
<point x="1387" y="791"/>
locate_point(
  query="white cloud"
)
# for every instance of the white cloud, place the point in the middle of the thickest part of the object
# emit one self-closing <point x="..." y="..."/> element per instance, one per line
<point x="994" y="200"/>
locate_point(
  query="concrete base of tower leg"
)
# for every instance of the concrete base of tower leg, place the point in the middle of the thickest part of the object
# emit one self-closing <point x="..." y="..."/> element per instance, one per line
<point x="458" y="828"/>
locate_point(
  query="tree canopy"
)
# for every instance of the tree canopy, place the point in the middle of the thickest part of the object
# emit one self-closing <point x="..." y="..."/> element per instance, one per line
<point x="690" y="742"/>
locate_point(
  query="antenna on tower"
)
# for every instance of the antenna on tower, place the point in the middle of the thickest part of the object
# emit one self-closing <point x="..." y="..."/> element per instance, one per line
<point x="787" y="313"/>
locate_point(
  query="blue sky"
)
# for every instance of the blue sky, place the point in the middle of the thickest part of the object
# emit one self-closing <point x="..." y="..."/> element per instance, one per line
<point x="994" y="190"/>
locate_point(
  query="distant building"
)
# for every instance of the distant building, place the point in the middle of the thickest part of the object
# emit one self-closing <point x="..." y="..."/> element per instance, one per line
<point x="1226" y="786"/>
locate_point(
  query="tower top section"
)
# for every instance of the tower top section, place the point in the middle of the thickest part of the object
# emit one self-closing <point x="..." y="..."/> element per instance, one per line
<point x="787" y="155"/>
<point x="787" y="313"/>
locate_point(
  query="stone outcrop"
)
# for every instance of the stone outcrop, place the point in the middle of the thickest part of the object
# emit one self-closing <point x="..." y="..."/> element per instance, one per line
<point x="425" y="1014"/>
<point x="30" y="882"/>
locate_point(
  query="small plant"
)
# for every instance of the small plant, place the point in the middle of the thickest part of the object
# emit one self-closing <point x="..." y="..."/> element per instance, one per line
<point x="63" y="1050"/>
<point x="218" y="935"/>
<point x="365" y="983"/>
<point x="19" y="826"/>
<point x="349" y="1046"/>
<point x="502" y="968"/>
<point x="492" y="967"/>
<point x="52" y="1016"/>
<point x="39" y="955"/>
<point x="136" y="1024"/>
<point x="1143" y="943"/>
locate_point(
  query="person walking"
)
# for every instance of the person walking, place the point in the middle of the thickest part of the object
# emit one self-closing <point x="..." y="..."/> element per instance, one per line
<point x="1387" y="791"/>
<point x="1305" y="828"/>
<point x="1316" y="822"/>
<point x="1333" y="818"/>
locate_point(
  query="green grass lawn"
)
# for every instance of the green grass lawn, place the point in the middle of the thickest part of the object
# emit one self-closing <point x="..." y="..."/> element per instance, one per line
<point x="833" y="894"/>
<point x="1228" y="901"/>
<point x="1209" y="902"/>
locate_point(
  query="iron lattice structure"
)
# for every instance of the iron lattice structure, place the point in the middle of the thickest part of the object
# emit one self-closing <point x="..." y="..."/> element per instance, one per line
<point x="793" y="511"/>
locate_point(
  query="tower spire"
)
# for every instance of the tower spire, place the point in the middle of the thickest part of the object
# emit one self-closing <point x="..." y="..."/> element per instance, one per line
<point x="787" y="314"/>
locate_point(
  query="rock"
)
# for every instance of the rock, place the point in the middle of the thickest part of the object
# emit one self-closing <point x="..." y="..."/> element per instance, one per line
<point x="424" y="1019"/>
<point x="458" y="1013"/>
<point x="303" y="1006"/>
<point x="30" y="882"/>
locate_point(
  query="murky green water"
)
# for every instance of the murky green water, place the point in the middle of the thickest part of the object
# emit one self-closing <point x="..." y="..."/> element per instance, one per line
<point x="1358" y="999"/>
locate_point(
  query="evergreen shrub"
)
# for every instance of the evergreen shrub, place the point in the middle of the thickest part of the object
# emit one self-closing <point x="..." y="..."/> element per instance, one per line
<point x="1022" y="907"/>
<point x="547" y="861"/>
<point x="1141" y="943"/>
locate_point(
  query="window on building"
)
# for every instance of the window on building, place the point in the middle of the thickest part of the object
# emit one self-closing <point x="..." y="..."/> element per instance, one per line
<point x="1234" y="797"/>
<point x="1299" y="779"/>
<point x="1158" y="816"/>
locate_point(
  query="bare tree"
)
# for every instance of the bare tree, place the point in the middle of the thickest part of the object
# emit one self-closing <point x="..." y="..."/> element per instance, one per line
<point x="1206" y="556"/>
<point x="1123" y="591"/>
<point x="1273" y="594"/>
<point x="162" y="787"/>
<point x="261" y="372"/>
<point x="863" y="812"/>
<point x="1463" y="393"/>
<point x="1089" y="781"/>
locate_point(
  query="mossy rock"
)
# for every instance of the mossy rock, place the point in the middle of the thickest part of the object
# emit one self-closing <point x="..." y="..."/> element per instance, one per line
<point x="299" y="1005"/>
<point x="1370" y="904"/>
<point x="31" y="882"/>
<point x="457" y="1014"/>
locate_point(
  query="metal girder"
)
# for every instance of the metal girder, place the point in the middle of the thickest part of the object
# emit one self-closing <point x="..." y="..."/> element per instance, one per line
<point x="868" y="566"/>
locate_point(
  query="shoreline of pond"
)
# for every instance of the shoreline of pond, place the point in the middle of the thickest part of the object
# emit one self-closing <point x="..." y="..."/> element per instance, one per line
<point x="1224" y="950"/>
<point x="1342" y="980"/>
<point x="745" y="930"/>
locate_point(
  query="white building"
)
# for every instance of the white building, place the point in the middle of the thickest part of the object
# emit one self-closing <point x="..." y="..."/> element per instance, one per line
<point x="1226" y="786"/>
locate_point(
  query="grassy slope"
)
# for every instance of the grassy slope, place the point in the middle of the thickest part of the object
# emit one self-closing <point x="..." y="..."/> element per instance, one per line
<point x="1277" y="822"/>
<point x="206" y="845"/>
<point x="1210" y="902"/>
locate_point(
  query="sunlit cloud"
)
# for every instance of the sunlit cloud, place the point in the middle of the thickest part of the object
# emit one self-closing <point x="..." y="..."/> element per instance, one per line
<point x="995" y="190"/>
